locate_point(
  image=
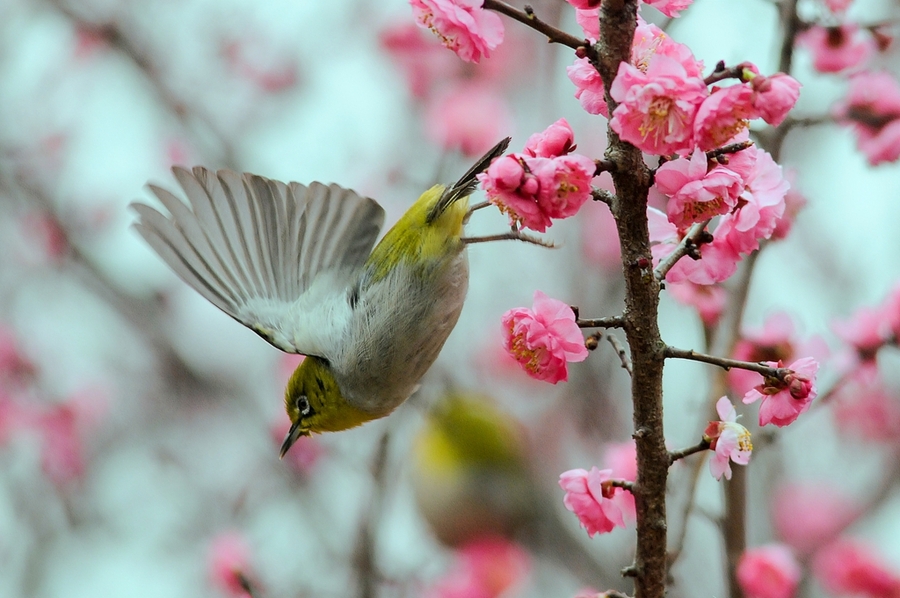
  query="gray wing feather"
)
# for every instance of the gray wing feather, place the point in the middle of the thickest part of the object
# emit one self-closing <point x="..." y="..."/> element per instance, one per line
<point x="253" y="246"/>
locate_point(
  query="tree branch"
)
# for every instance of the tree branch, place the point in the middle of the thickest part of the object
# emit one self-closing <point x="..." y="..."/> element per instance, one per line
<point x="727" y="364"/>
<point x="554" y="35"/>
<point x="693" y="239"/>
<point x="686" y="452"/>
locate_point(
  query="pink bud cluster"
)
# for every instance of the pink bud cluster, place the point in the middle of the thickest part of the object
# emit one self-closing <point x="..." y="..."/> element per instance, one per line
<point x="546" y="181"/>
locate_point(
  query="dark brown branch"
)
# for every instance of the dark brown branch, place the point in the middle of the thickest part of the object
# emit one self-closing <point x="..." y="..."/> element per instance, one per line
<point x="554" y="35"/>
<point x="604" y="166"/>
<point x="722" y="72"/>
<point x="727" y="364"/>
<point x="691" y="241"/>
<point x="728" y="149"/>
<point x="686" y="452"/>
<point x="608" y="322"/>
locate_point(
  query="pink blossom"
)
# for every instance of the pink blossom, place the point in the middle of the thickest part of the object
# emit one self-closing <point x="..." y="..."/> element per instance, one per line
<point x="872" y="109"/>
<point x="565" y="184"/>
<point x="15" y="366"/>
<point x="723" y="115"/>
<point x="589" y="20"/>
<point x="462" y="25"/>
<point x="670" y="8"/>
<point x="807" y="516"/>
<point x="486" y="568"/>
<point x="543" y="339"/>
<point x="769" y="571"/>
<point x="729" y="439"/>
<point x="228" y="563"/>
<point x="590" y="496"/>
<point x="585" y="4"/>
<point x="774" y="96"/>
<point x="419" y="56"/>
<point x="761" y="204"/>
<point x="532" y="189"/>
<point x="651" y="42"/>
<point x="852" y="567"/>
<point x="469" y="118"/>
<point x="656" y="109"/>
<point x="794" y="202"/>
<point x="708" y="300"/>
<point x="784" y="401"/>
<point x="554" y="141"/>
<point x="835" y="49"/>
<point x="863" y="407"/>
<point x="589" y="87"/>
<point x="510" y="185"/>
<point x="622" y="460"/>
<point x="775" y="341"/>
<point x="696" y="192"/>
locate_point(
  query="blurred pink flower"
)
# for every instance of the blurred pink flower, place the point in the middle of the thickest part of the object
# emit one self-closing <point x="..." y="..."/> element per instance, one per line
<point x="872" y="109"/>
<point x="851" y="567"/>
<point x="591" y="498"/>
<point x="806" y="516"/>
<point x="729" y="440"/>
<point x="421" y="58"/>
<point x="462" y="25"/>
<point x="589" y="89"/>
<point x="724" y="114"/>
<point x="657" y="108"/>
<point x="554" y="141"/>
<point x="863" y="407"/>
<point x="621" y="457"/>
<point x="838" y="6"/>
<point x="63" y="427"/>
<point x="267" y="68"/>
<point x="697" y="193"/>
<point x="544" y="338"/>
<point x="769" y="571"/>
<point x="783" y="402"/>
<point x="670" y="8"/>
<point x="866" y="331"/>
<point x="486" y="568"/>
<point x="470" y="118"/>
<point x="228" y="564"/>
<point x="774" y="96"/>
<point x="15" y="366"/>
<point x="708" y="300"/>
<point x="835" y="49"/>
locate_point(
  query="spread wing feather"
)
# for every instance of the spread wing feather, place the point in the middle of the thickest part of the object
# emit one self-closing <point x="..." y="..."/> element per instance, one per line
<point x="253" y="246"/>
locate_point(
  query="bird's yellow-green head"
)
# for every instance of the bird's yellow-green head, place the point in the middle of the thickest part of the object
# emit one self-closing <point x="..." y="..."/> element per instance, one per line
<point x="314" y="403"/>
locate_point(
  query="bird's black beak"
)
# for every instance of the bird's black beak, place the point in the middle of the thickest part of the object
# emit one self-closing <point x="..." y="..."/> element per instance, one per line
<point x="293" y="434"/>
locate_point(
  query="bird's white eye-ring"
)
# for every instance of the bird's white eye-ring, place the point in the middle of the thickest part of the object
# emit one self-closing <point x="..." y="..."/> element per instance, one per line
<point x="303" y="405"/>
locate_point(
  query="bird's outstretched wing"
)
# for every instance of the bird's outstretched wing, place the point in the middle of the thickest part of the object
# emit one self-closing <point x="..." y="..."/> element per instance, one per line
<point x="262" y="251"/>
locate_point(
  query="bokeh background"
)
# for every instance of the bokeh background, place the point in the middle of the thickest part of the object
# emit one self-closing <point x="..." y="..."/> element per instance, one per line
<point x="139" y="426"/>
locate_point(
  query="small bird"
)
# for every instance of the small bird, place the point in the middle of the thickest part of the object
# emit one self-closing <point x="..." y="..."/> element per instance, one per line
<point x="295" y="264"/>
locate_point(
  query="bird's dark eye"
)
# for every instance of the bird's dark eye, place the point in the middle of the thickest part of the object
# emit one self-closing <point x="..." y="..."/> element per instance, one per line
<point x="303" y="405"/>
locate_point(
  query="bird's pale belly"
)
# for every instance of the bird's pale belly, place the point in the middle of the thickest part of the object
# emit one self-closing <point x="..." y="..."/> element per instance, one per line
<point x="397" y="331"/>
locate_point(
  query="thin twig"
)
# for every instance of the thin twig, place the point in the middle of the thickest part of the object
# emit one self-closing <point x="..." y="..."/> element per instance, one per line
<point x="607" y="322"/>
<point x="613" y="340"/>
<point x="703" y="445"/>
<point x="602" y="195"/>
<point x="513" y="235"/>
<point x="725" y="363"/>
<point x="722" y="72"/>
<point x="728" y="149"/>
<point x="554" y="35"/>
<point x="624" y="484"/>
<point x="688" y="244"/>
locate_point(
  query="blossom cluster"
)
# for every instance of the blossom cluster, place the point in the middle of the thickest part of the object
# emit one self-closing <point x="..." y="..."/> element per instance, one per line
<point x="545" y="181"/>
